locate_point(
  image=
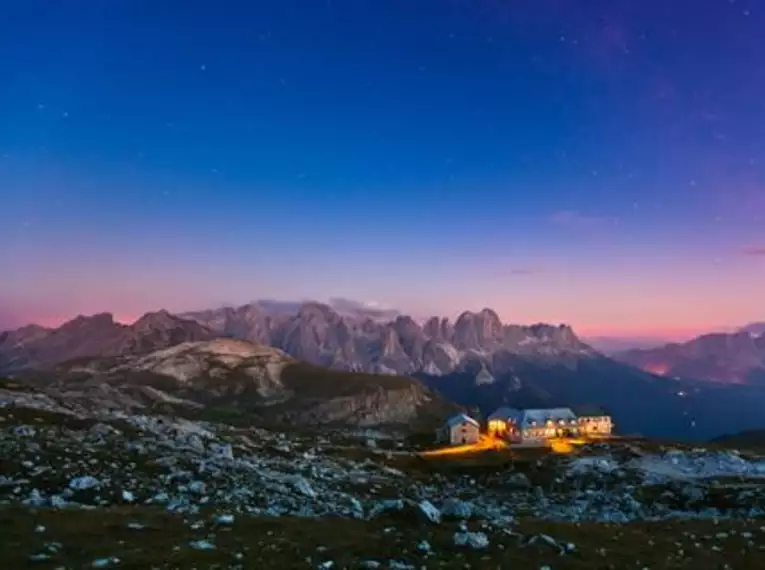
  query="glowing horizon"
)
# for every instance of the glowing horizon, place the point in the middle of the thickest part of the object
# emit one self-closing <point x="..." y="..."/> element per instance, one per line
<point x="601" y="166"/>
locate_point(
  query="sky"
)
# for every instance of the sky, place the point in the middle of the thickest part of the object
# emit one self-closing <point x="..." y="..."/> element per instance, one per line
<point x="597" y="163"/>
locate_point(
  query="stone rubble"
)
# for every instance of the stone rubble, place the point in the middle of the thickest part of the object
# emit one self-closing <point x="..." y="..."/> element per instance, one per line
<point x="194" y="465"/>
<point x="477" y="540"/>
<point x="112" y="458"/>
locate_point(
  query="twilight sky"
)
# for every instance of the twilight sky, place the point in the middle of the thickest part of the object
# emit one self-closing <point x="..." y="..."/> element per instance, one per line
<point x="600" y="163"/>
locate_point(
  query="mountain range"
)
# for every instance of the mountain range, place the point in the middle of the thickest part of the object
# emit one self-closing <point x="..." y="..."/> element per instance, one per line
<point x="737" y="357"/>
<point x="475" y="361"/>
<point x="320" y="334"/>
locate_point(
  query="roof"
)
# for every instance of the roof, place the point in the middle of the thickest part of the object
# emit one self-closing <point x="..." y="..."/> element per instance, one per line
<point x="505" y="413"/>
<point x="541" y="415"/>
<point x="590" y="411"/>
<point x="458" y="419"/>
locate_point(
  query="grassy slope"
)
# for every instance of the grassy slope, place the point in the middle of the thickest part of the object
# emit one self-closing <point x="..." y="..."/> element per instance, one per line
<point x="286" y="542"/>
<point x="750" y="440"/>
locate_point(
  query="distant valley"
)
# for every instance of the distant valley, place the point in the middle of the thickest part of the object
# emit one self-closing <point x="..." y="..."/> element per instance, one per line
<point x="476" y="361"/>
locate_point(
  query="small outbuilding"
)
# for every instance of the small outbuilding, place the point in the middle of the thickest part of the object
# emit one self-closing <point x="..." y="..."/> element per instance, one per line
<point x="461" y="429"/>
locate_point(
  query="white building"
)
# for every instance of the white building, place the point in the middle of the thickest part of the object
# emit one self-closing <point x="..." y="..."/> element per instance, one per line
<point x="461" y="429"/>
<point x="534" y="426"/>
<point x="595" y="423"/>
<point x="538" y="425"/>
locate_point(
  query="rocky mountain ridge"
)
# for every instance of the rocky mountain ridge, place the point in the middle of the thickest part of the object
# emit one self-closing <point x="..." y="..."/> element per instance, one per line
<point x="95" y="336"/>
<point x="317" y="333"/>
<point x="312" y="332"/>
<point x="737" y="358"/>
<point x="754" y="329"/>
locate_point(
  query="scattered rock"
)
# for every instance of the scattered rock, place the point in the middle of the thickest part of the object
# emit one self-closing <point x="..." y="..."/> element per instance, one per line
<point x="83" y="483"/>
<point x="24" y="431"/>
<point x="105" y="562"/>
<point x="518" y="481"/>
<point x="457" y="509"/>
<point x="304" y="487"/>
<point x="476" y="540"/>
<point x="430" y="511"/>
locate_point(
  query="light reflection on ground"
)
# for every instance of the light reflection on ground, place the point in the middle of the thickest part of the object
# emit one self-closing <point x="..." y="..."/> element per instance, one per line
<point x="562" y="445"/>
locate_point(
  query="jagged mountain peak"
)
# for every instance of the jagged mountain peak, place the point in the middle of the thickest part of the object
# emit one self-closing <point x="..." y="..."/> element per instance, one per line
<point x="161" y="317"/>
<point x="755" y="329"/>
<point x="487" y="318"/>
<point x="97" y="319"/>
<point x="561" y="333"/>
<point x="490" y="314"/>
<point x="311" y="309"/>
<point x="478" y="331"/>
<point x="405" y="322"/>
<point x="32" y="329"/>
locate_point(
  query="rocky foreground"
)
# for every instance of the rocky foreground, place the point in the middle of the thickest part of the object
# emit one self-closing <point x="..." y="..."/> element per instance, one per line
<point x="109" y="489"/>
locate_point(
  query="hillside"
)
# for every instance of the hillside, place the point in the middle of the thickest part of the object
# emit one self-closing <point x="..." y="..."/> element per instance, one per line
<point x="750" y="439"/>
<point x="236" y="377"/>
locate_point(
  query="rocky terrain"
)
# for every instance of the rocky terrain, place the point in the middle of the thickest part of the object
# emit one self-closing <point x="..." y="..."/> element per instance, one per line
<point x="165" y="492"/>
<point x="737" y="357"/>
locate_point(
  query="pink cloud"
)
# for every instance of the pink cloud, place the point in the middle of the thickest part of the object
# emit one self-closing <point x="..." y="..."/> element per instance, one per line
<point x="755" y="251"/>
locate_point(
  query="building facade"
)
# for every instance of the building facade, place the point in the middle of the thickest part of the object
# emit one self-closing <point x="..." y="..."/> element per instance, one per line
<point x="528" y="427"/>
<point x="539" y="425"/>
<point x="595" y="423"/>
<point x="504" y="423"/>
<point x="536" y="426"/>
